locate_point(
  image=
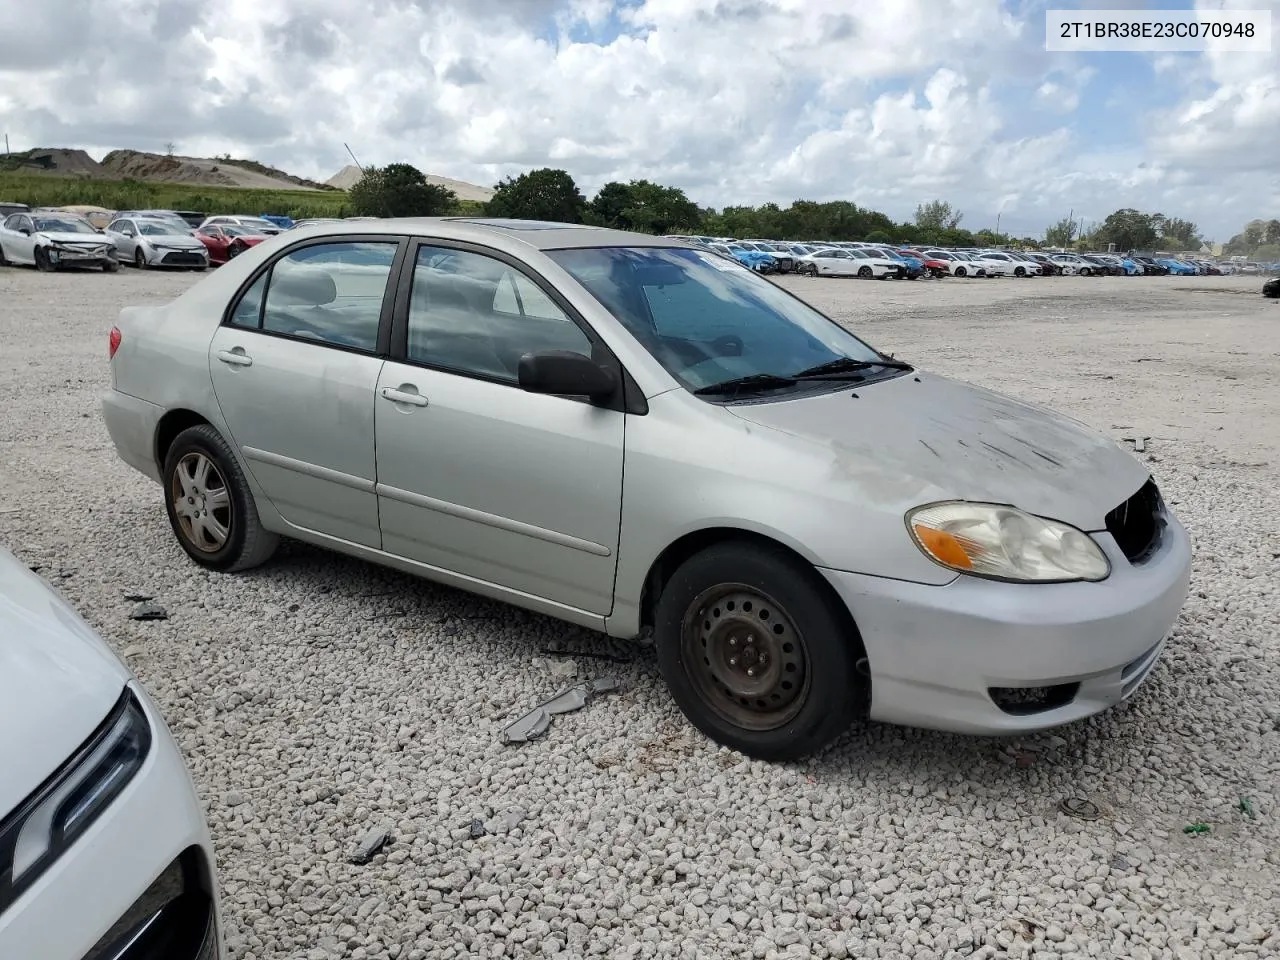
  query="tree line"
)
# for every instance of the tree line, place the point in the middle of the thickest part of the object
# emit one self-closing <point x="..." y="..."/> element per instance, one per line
<point x="647" y="207"/>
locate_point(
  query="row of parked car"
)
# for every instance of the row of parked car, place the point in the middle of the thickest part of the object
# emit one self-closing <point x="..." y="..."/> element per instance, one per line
<point x="50" y="238"/>
<point x="886" y="261"/>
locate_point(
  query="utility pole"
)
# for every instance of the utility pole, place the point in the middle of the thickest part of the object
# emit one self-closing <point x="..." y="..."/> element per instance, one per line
<point x="6" y="144"/>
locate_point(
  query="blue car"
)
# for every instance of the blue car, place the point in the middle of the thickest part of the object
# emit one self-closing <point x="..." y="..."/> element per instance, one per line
<point x="1177" y="267"/>
<point x="757" y="260"/>
<point x="914" y="265"/>
<point x="1131" y="267"/>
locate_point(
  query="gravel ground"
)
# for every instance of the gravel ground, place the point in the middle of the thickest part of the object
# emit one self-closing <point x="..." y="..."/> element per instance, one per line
<point x="318" y="697"/>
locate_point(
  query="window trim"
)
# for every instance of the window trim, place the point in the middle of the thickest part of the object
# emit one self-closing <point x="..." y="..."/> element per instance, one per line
<point x="388" y="295"/>
<point x="628" y="398"/>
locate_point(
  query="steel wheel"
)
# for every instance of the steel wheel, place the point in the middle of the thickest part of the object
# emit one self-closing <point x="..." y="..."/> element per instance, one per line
<point x="745" y="657"/>
<point x="201" y="502"/>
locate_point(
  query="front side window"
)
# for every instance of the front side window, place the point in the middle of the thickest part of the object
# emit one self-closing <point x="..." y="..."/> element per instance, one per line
<point x="328" y="292"/>
<point x="707" y="320"/>
<point x="476" y="315"/>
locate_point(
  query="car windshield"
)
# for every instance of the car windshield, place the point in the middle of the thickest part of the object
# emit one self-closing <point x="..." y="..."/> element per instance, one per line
<point x="63" y="225"/>
<point x="706" y="320"/>
<point x="159" y="228"/>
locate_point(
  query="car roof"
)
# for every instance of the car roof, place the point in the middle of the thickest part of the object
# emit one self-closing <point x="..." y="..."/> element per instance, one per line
<point x="539" y="234"/>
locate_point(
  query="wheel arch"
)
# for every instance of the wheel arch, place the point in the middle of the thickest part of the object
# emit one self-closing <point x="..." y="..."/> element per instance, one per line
<point x="167" y="429"/>
<point x="684" y="547"/>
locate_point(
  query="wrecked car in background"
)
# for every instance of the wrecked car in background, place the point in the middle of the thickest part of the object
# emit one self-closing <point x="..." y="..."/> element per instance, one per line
<point x="812" y="530"/>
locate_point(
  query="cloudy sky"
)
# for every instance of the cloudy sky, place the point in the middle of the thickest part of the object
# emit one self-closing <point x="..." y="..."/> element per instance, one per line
<point x="883" y="102"/>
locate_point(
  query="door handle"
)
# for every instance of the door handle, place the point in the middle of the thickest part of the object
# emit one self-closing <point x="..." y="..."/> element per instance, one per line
<point x="403" y="396"/>
<point x="236" y="359"/>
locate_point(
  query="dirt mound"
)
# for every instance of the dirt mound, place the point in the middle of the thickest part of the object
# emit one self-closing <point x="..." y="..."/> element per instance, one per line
<point x="71" y="163"/>
<point x="346" y="178"/>
<point x="225" y="172"/>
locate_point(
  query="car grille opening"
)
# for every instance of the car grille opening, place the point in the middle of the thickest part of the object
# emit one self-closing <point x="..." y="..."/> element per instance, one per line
<point x="1025" y="701"/>
<point x="173" y="919"/>
<point x="1138" y="523"/>
<point x="183" y="258"/>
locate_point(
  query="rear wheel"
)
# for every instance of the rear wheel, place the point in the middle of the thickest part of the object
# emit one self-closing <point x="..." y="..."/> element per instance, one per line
<point x="210" y="504"/>
<point x="756" y="654"/>
<point x="1085" y="271"/>
<point x="1019" y="271"/>
<point x="865" y="273"/>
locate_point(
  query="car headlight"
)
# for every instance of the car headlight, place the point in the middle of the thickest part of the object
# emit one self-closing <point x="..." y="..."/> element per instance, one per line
<point x="62" y="808"/>
<point x="1003" y="543"/>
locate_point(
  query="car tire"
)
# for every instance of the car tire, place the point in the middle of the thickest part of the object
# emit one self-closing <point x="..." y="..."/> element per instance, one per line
<point x="139" y="259"/>
<point x="1019" y="271"/>
<point x="961" y="271"/>
<point x="3" y="261"/>
<point x="865" y="273"/>
<point x="739" y="602"/>
<point x="198" y="465"/>
<point x="234" y="250"/>
<point x="43" y="263"/>
<point x="1085" y="271"/>
<point x="110" y="265"/>
<point x="812" y="270"/>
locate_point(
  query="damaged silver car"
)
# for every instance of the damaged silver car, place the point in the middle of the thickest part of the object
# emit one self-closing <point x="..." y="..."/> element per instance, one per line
<point x="632" y="434"/>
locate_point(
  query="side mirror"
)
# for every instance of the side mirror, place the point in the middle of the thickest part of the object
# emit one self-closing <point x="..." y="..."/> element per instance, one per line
<point x="566" y="373"/>
<point x="25" y="231"/>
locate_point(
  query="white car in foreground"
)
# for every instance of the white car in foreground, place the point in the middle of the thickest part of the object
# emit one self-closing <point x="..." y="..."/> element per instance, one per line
<point x="1001" y="264"/>
<point x="104" y="852"/>
<point x="837" y="262"/>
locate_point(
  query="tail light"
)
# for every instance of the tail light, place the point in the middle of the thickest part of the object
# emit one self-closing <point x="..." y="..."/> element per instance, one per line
<point x="113" y="342"/>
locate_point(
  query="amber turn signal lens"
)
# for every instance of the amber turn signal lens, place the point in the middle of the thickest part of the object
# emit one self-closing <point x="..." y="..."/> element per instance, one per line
<point x="944" y="547"/>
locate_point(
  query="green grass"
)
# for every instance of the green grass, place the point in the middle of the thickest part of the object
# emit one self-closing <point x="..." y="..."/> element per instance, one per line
<point x="41" y="190"/>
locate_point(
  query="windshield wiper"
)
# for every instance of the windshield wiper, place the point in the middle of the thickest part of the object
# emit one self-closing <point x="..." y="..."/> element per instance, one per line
<point x="843" y="365"/>
<point x="753" y="381"/>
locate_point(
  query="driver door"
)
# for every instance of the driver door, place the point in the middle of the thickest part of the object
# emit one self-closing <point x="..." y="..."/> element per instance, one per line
<point x="124" y="236"/>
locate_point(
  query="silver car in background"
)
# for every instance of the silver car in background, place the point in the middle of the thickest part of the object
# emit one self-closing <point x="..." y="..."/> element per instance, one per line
<point x="634" y="435"/>
<point x="152" y="242"/>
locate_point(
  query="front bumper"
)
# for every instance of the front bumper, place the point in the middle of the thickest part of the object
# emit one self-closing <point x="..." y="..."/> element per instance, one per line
<point x="115" y="895"/>
<point x="131" y="424"/>
<point x="941" y="657"/>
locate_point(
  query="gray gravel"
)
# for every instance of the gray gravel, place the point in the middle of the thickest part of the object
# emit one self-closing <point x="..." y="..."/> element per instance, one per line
<point x="320" y="698"/>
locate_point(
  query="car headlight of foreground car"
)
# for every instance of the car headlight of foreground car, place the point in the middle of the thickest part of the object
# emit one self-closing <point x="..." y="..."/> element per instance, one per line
<point x="49" y="821"/>
<point x="1003" y="543"/>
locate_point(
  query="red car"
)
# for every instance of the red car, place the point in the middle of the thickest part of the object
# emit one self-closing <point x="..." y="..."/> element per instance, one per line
<point x="935" y="268"/>
<point x="224" y="241"/>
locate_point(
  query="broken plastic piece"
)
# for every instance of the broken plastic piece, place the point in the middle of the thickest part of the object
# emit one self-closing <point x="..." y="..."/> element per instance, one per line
<point x="538" y="720"/>
<point x="373" y="841"/>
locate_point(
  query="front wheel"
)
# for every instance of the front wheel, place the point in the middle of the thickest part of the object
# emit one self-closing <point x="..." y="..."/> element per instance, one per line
<point x="1085" y="271"/>
<point x="1019" y="271"/>
<point x="43" y="263"/>
<point x="812" y="270"/>
<point x="756" y="654"/>
<point x="110" y="265"/>
<point x="865" y="273"/>
<point x="139" y="259"/>
<point x="210" y="504"/>
<point x="960" y="271"/>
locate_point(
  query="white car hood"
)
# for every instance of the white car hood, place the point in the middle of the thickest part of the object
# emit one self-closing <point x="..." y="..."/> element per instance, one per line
<point x="904" y="442"/>
<point x="90" y="239"/>
<point x="58" y="681"/>
<point x="174" y="240"/>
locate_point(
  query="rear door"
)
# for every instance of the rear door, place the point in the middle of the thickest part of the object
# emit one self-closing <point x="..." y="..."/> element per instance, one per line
<point x="295" y="365"/>
<point x="475" y="475"/>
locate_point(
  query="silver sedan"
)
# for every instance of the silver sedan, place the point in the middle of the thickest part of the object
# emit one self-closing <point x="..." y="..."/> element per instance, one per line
<point x="633" y="435"/>
<point x="152" y="242"/>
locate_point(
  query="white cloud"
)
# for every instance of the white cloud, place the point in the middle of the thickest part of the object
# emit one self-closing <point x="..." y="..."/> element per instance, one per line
<point x="734" y="100"/>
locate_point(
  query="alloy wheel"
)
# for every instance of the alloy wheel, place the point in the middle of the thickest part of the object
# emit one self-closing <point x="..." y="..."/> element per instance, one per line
<point x="201" y="502"/>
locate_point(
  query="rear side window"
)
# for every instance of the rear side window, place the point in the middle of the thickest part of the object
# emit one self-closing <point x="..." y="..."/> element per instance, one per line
<point x="331" y="293"/>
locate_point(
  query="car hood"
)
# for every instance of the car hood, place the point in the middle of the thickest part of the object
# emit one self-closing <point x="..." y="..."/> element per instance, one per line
<point x="58" y="681"/>
<point x="176" y="240"/>
<point x="922" y="438"/>
<point x="61" y="236"/>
